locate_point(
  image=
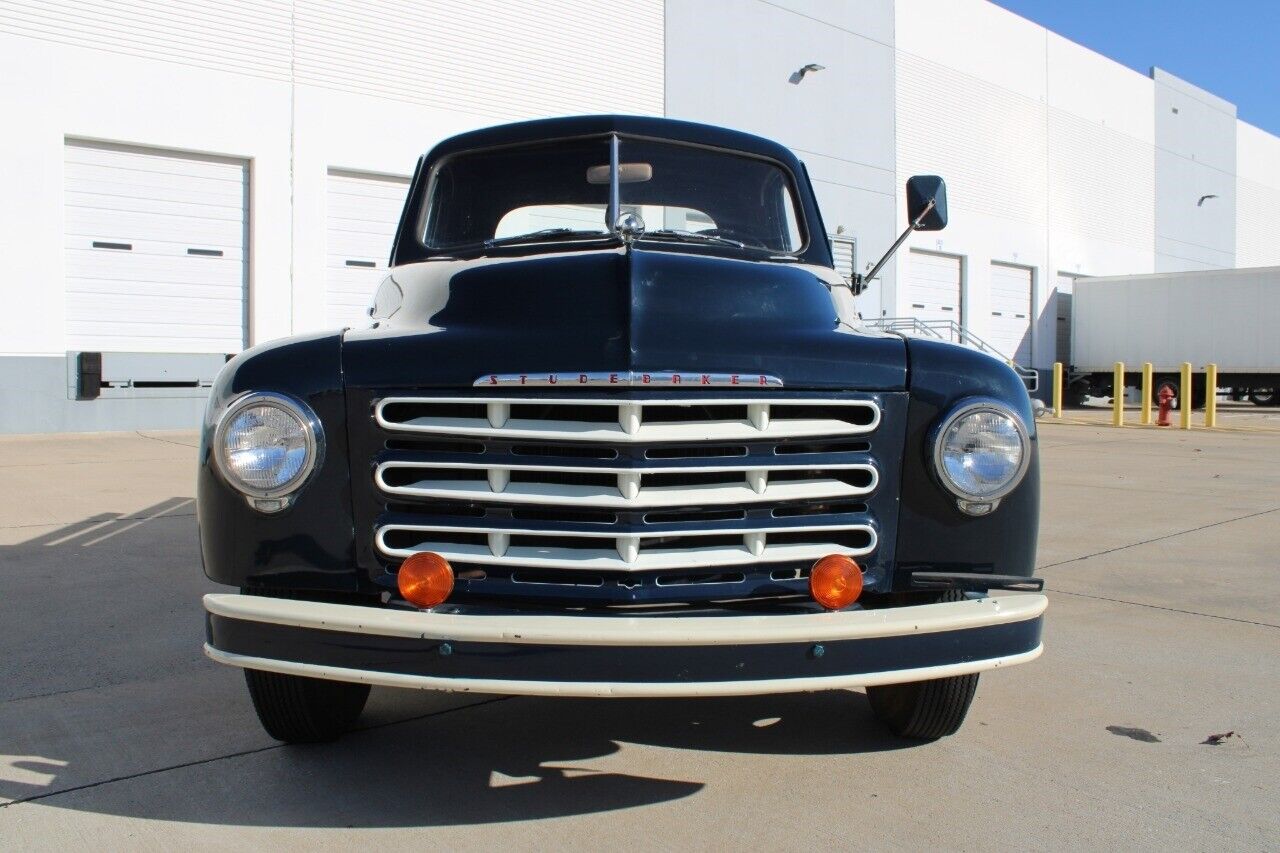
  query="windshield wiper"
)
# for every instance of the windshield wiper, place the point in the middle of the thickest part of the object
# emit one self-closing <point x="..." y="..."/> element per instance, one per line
<point x="679" y="236"/>
<point x="544" y="234"/>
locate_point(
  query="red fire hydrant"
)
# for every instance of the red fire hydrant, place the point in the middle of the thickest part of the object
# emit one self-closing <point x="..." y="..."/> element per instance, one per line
<point x="1165" y="396"/>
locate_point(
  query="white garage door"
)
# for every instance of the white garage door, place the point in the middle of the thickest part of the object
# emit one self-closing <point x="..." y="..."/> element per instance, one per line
<point x="1009" y="330"/>
<point x="363" y="213"/>
<point x="155" y="250"/>
<point x="933" y="286"/>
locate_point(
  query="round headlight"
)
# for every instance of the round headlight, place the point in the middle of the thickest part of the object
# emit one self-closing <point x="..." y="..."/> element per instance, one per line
<point x="981" y="452"/>
<point x="267" y="445"/>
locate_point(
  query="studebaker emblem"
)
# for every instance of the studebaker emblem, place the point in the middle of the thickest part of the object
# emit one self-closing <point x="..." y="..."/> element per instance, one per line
<point x="632" y="379"/>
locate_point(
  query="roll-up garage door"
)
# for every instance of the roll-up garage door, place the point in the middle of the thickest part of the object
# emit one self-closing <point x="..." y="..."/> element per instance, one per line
<point x="363" y="213"/>
<point x="155" y="250"/>
<point x="933" y="286"/>
<point x="1009" y="329"/>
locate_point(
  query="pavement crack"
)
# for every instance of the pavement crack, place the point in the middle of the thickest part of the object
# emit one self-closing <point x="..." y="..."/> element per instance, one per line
<point x="1162" y="607"/>
<point x="8" y="699"/>
<point x="165" y="440"/>
<point x="242" y="753"/>
<point x="1159" y="538"/>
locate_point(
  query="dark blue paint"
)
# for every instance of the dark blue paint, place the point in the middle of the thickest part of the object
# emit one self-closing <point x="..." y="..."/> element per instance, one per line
<point x="628" y="664"/>
<point x="932" y="532"/>
<point x="604" y="310"/>
<point x="618" y="310"/>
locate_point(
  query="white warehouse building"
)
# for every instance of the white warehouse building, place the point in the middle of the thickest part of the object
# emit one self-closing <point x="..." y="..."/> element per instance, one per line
<point x="186" y="179"/>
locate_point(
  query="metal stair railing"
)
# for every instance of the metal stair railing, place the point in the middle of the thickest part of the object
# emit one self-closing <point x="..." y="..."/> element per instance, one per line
<point x="950" y="330"/>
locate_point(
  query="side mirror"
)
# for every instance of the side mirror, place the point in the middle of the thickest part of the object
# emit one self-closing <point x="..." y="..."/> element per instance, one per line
<point x="926" y="211"/>
<point x="922" y="189"/>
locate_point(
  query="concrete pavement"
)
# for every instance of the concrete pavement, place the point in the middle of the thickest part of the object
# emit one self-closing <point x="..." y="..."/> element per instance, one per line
<point x="1164" y="625"/>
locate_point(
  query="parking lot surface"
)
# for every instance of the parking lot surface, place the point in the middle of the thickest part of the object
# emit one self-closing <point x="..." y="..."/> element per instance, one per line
<point x="1159" y="550"/>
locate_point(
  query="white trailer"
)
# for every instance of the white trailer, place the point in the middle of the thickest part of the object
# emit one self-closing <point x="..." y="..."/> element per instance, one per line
<point x="1228" y="317"/>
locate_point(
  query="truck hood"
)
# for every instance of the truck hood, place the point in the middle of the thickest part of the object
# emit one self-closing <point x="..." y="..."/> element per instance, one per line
<point x="620" y="310"/>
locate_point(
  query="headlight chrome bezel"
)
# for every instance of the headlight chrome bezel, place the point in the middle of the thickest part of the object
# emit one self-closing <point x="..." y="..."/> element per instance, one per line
<point x="279" y="497"/>
<point x="979" y="504"/>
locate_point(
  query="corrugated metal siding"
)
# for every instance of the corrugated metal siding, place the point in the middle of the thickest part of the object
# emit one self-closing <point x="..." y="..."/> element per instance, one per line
<point x="987" y="141"/>
<point x="485" y="57"/>
<point x="155" y="250"/>
<point x="363" y="211"/>
<point x="1101" y="182"/>
<point x="245" y="36"/>
<point x="1257" y="224"/>
<point x="578" y="56"/>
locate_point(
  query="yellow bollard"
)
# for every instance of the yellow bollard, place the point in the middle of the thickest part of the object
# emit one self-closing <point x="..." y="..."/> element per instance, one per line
<point x="1211" y="395"/>
<point x="1145" y="420"/>
<point x="1117" y="395"/>
<point x="1185" y="397"/>
<point x="1057" y="389"/>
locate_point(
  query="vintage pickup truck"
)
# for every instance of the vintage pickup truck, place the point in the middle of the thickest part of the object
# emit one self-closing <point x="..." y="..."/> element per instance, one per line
<point x="617" y="430"/>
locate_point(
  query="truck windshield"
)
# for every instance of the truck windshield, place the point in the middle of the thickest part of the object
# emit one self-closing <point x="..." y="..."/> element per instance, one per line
<point x="560" y="191"/>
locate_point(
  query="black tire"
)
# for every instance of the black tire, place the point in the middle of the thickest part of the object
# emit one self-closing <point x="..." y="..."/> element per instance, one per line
<point x="1264" y="397"/>
<point x="925" y="710"/>
<point x="1175" y="383"/>
<point x="295" y="709"/>
<point x="1077" y="394"/>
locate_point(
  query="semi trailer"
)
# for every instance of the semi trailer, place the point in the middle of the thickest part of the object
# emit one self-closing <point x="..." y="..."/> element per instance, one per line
<point x="1226" y="317"/>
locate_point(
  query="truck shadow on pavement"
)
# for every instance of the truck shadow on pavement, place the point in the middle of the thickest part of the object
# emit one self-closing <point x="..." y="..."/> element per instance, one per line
<point x="499" y="760"/>
<point x="165" y="734"/>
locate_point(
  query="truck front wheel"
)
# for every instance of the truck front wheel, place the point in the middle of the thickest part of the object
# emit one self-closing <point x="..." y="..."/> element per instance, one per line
<point x="296" y="709"/>
<point x="925" y="710"/>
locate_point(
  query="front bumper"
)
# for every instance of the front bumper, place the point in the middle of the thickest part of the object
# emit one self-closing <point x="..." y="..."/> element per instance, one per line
<point x="578" y="655"/>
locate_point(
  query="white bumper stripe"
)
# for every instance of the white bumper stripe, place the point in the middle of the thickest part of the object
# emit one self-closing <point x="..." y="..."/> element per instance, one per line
<point x="631" y="630"/>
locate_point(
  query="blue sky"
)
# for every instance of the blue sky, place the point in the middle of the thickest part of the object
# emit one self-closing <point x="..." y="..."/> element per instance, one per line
<point x="1229" y="47"/>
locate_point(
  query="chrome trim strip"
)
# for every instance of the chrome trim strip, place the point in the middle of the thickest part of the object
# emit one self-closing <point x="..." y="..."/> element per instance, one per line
<point x="630" y="379"/>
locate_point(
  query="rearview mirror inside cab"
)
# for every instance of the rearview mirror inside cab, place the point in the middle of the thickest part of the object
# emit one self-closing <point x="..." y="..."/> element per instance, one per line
<point x="628" y="173"/>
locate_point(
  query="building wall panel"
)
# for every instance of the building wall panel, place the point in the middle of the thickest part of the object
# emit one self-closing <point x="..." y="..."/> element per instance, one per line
<point x="495" y="59"/>
<point x="1257" y="197"/>
<point x="244" y="36"/>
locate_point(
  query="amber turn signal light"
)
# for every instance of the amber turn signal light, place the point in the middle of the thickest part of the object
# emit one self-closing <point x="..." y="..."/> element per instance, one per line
<point x="835" y="581"/>
<point x="425" y="579"/>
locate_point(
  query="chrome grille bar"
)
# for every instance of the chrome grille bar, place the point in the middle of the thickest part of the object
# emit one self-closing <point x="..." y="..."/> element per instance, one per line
<point x="741" y="484"/>
<point x="627" y="553"/>
<point x="497" y="478"/>
<point x="764" y="418"/>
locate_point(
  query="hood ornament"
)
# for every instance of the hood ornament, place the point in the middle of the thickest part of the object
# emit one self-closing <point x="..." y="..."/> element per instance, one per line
<point x="629" y="226"/>
<point x="630" y="379"/>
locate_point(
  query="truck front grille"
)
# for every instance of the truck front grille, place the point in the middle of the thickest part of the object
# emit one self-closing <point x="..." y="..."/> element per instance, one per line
<point x="675" y="492"/>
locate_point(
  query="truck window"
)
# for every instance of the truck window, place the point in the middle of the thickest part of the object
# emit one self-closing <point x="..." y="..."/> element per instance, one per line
<point x="562" y="189"/>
